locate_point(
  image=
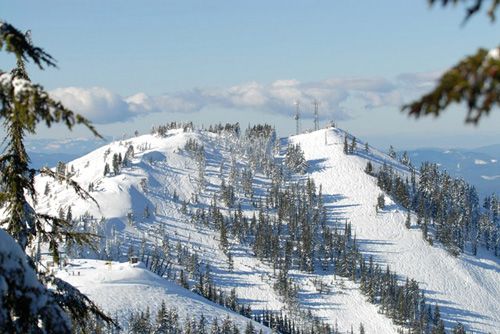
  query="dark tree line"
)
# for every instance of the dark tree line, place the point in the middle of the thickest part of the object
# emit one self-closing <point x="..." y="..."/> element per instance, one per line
<point x="162" y="130"/>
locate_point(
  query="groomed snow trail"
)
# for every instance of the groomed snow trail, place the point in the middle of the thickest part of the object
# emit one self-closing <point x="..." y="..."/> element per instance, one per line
<point x="467" y="288"/>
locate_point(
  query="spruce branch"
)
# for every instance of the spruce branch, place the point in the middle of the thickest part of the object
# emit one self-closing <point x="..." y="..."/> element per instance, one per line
<point x="72" y="183"/>
<point x="474" y="82"/>
<point x="14" y="41"/>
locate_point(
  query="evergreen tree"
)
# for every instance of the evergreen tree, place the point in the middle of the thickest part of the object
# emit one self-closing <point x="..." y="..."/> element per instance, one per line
<point x="392" y="152"/>
<point x="106" y="169"/>
<point x="295" y="159"/>
<point x="23" y="105"/>
<point x="459" y="329"/>
<point x="346" y="145"/>
<point x="116" y="164"/>
<point x="369" y="168"/>
<point x="405" y="159"/>
<point x="214" y="329"/>
<point x="250" y="329"/>
<point x="408" y="220"/>
<point x="353" y="146"/>
<point x="381" y="201"/>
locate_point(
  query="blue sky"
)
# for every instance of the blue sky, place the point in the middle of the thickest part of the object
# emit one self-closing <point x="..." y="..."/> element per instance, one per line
<point x="245" y="61"/>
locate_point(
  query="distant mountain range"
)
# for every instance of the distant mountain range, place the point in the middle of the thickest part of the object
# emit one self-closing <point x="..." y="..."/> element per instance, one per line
<point x="479" y="166"/>
<point x="48" y="152"/>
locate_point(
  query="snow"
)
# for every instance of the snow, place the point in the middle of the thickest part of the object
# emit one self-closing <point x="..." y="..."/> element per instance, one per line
<point x="20" y="85"/>
<point x="18" y="281"/>
<point x="494" y="53"/>
<point x="467" y="288"/>
<point x="123" y="287"/>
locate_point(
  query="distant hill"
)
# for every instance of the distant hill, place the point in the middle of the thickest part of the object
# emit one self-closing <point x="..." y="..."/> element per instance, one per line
<point x="48" y="152"/>
<point x="39" y="160"/>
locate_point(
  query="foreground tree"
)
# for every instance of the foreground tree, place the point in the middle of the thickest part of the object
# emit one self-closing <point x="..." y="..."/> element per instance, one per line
<point x="26" y="304"/>
<point x="474" y="81"/>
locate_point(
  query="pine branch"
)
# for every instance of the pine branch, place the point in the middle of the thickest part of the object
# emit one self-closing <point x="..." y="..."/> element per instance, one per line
<point x="35" y="106"/>
<point x="472" y="9"/>
<point x="76" y="303"/>
<point x="73" y="184"/>
<point x="475" y="82"/>
<point x="18" y="43"/>
<point x="61" y="231"/>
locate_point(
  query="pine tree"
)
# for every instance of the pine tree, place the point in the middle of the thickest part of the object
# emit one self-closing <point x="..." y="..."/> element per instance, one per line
<point x="214" y="329"/>
<point x="295" y="159"/>
<point x="250" y="329"/>
<point x="405" y="159"/>
<point x="353" y="146"/>
<point x="392" y="152"/>
<point x="346" y="145"/>
<point x="61" y="169"/>
<point x="116" y="164"/>
<point x="381" y="201"/>
<point x="369" y="168"/>
<point x="106" y="169"/>
<point x="408" y="220"/>
<point x="23" y="106"/>
<point x="459" y="329"/>
<point x="162" y="321"/>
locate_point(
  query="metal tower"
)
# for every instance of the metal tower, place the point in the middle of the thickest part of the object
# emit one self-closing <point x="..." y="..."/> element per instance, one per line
<point x="316" y="120"/>
<point x="297" y="116"/>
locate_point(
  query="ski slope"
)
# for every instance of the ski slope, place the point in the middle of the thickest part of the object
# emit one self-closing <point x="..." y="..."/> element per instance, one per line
<point x="120" y="288"/>
<point x="467" y="288"/>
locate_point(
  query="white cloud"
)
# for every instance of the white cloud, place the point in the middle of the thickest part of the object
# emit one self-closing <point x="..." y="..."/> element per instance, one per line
<point x="424" y="80"/>
<point x="97" y="104"/>
<point x="103" y="106"/>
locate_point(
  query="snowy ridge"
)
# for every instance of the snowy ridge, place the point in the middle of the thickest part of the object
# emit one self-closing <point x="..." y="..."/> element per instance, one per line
<point x="467" y="288"/>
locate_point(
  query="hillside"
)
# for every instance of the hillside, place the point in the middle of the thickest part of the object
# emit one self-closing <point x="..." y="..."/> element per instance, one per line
<point x="479" y="167"/>
<point x="154" y="202"/>
<point x="468" y="287"/>
<point x="123" y="287"/>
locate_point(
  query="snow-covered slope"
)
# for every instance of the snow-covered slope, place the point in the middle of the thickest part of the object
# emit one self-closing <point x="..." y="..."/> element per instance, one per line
<point x="120" y="288"/>
<point x="467" y="288"/>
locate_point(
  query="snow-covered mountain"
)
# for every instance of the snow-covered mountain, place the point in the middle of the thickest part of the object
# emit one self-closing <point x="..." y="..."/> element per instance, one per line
<point x="155" y="198"/>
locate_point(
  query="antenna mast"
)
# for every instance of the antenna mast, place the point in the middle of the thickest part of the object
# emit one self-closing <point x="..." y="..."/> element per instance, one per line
<point x="297" y="117"/>
<point x="316" y="121"/>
